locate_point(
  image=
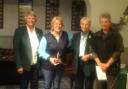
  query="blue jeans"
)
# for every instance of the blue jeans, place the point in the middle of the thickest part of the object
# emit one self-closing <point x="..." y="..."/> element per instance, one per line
<point x="52" y="77"/>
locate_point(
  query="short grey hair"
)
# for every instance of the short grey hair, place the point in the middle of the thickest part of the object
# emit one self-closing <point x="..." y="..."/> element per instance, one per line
<point x="105" y="15"/>
<point x="85" y="18"/>
<point x="29" y="13"/>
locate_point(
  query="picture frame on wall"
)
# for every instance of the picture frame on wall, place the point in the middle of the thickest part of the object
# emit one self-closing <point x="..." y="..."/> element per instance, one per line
<point x="23" y="6"/>
<point x="78" y="11"/>
<point x="1" y="14"/>
<point x="52" y="9"/>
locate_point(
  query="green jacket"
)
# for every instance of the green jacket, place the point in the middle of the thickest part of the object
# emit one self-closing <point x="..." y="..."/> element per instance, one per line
<point x="89" y="66"/>
<point x="22" y="47"/>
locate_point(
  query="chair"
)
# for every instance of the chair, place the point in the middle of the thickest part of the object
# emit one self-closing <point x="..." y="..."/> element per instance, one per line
<point x="69" y="70"/>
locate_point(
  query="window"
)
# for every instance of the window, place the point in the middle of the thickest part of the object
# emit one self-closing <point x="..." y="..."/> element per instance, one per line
<point x="52" y="9"/>
<point x="78" y="10"/>
<point x="1" y="14"/>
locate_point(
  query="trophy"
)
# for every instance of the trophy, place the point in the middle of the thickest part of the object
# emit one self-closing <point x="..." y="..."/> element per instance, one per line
<point x="58" y="60"/>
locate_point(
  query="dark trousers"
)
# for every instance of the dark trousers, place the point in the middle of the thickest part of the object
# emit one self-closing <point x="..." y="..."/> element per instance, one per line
<point x="111" y="83"/>
<point x="52" y="77"/>
<point x="82" y="81"/>
<point x="30" y="76"/>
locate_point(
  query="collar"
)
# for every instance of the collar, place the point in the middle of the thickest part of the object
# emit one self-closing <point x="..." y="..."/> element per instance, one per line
<point x="102" y="34"/>
<point x="33" y="30"/>
<point x="54" y="35"/>
<point x="86" y="33"/>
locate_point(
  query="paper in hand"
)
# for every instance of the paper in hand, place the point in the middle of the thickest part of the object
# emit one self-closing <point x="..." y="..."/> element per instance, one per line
<point x="101" y="75"/>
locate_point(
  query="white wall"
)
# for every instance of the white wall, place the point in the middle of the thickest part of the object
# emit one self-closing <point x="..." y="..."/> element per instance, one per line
<point x="10" y="17"/>
<point x="65" y="13"/>
<point x="6" y="41"/>
<point x="124" y="33"/>
<point x="114" y="7"/>
<point x="94" y="9"/>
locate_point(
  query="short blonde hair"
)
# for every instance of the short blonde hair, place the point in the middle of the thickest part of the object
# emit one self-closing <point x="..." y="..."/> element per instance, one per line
<point x="56" y="18"/>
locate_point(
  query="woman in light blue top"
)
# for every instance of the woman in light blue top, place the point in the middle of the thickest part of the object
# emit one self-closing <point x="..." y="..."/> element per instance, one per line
<point x="52" y="50"/>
